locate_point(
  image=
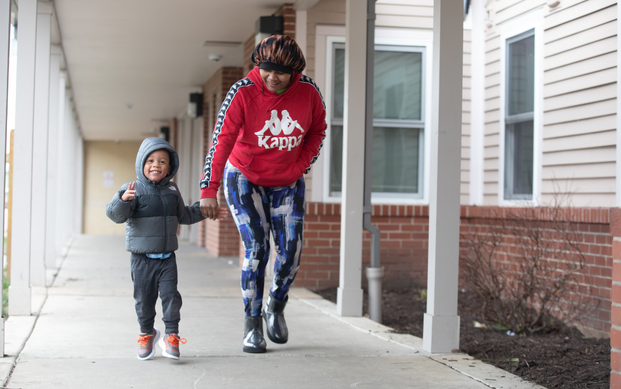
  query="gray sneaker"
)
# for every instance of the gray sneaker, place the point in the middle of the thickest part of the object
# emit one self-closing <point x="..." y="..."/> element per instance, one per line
<point x="147" y="344"/>
<point x="170" y="345"/>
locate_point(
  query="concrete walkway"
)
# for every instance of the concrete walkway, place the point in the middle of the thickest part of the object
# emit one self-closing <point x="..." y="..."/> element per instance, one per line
<point x="84" y="336"/>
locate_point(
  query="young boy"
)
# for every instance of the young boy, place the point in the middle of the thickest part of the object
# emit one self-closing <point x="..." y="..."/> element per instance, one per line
<point x="152" y="208"/>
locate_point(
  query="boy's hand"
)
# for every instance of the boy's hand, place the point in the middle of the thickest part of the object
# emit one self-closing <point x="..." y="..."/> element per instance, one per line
<point x="210" y="209"/>
<point x="130" y="193"/>
<point x="223" y="213"/>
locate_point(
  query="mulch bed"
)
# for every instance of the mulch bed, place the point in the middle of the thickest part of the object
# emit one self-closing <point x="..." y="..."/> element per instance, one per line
<point x="561" y="359"/>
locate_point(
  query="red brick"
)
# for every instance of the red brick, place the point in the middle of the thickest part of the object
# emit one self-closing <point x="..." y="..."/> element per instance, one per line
<point x="615" y="360"/>
<point x="615" y="222"/>
<point x="310" y="234"/>
<point x="388" y="227"/>
<point x="616" y="250"/>
<point x="329" y="234"/>
<point x="616" y="294"/>
<point x="615" y="338"/>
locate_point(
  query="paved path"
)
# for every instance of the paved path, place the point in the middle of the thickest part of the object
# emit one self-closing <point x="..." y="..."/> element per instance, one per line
<point x="85" y="337"/>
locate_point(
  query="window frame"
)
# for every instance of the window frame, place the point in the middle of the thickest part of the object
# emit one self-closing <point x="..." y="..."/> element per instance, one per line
<point x="519" y="28"/>
<point x="386" y="39"/>
<point x="515" y="119"/>
<point x="391" y="123"/>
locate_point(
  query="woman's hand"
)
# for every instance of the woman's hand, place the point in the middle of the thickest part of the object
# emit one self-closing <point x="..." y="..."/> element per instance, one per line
<point x="130" y="193"/>
<point x="210" y="209"/>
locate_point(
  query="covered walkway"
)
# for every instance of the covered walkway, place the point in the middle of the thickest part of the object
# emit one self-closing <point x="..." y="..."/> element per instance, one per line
<point x="84" y="336"/>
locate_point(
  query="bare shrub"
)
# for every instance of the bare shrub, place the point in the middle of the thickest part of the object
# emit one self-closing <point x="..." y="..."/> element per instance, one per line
<point x="524" y="267"/>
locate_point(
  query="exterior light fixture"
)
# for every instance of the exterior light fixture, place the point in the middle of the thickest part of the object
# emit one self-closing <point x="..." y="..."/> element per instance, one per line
<point x="195" y="105"/>
<point x="266" y="26"/>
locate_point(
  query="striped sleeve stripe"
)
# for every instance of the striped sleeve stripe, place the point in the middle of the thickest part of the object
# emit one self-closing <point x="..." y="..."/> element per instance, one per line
<point x="216" y="132"/>
<point x="308" y="80"/>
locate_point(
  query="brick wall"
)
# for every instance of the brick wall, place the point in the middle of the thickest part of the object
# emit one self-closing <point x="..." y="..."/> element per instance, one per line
<point x="591" y="231"/>
<point x="404" y="231"/>
<point x="404" y="245"/>
<point x="288" y="13"/>
<point x="615" y="331"/>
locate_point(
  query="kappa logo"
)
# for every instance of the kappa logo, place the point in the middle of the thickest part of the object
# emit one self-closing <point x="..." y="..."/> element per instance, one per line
<point x="276" y="126"/>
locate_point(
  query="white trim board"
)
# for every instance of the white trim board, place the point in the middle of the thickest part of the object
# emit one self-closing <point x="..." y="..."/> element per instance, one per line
<point x="529" y="21"/>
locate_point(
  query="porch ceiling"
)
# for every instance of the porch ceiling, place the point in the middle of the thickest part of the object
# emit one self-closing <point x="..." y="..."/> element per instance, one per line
<point x="147" y="54"/>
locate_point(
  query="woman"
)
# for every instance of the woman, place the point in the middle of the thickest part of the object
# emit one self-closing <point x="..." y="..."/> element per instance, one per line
<point x="270" y="128"/>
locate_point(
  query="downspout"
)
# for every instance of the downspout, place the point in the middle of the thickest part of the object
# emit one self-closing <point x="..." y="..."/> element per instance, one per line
<point x="375" y="272"/>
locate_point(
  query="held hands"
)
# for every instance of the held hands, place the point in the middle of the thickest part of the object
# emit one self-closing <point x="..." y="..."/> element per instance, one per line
<point x="210" y="209"/>
<point x="130" y="193"/>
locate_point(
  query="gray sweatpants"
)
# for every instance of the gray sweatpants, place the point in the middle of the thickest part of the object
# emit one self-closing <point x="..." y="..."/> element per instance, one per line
<point x="151" y="276"/>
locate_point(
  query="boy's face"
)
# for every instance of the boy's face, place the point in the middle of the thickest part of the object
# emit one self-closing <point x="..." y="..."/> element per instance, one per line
<point x="157" y="165"/>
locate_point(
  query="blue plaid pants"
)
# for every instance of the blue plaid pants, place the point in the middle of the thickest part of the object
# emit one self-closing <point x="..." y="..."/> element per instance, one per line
<point x="257" y="211"/>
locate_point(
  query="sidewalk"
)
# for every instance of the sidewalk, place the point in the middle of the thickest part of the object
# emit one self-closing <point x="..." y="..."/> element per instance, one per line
<point x="85" y="337"/>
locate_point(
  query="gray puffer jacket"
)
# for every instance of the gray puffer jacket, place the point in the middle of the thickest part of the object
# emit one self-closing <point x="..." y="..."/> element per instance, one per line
<point x="157" y="209"/>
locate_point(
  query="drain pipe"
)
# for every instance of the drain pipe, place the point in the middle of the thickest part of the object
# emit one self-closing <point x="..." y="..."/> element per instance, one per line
<point x="375" y="272"/>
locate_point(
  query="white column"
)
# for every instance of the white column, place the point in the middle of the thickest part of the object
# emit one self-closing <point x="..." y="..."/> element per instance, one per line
<point x="5" y="27"/>
<point x="349" y="296"/>
<point x="60" y="163"/>
<point x="195" y="169"/>
<point x="301" y="21"/>
<point x="39" y="148"/>
<point x="65" y="171"/>
<point x="477" y="99"/>
<point x="441" y="323"/>
<point x="52" y="159"/>
<point x="78" y="179"/>
<point x="73" y="174"/>
<point x="19" y="291"/>
<point x="185" y="152"/>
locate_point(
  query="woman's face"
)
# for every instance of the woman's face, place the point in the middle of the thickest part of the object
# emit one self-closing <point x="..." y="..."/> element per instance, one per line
<point x="275" y="80"/>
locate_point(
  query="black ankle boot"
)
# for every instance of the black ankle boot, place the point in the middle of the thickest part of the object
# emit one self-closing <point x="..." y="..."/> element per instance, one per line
<point x="276" y="326"/>
<point x="254" y="342"/>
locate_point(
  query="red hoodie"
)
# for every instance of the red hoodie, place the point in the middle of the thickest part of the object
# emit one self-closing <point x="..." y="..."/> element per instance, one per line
<point x="272" y="139"/>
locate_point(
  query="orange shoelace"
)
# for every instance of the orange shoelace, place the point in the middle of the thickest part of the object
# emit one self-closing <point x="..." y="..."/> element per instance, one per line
<point x="174" y="340"/>
<point x="144" y="339"/>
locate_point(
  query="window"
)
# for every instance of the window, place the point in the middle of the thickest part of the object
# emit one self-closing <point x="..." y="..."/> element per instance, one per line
<point x="398" y="121"/>
<point x="519" y="116"/>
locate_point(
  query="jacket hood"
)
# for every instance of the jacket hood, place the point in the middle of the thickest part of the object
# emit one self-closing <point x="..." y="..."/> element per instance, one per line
<point x="148" y="146"/>
<point x="255" y="76"/>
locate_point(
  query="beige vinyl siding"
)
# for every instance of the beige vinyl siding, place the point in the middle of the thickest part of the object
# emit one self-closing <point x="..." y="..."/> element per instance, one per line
<point x="389" y="13"/>
<point x="579" y="120"/>
<point x="329" y="12"/>
<point x="406" y="14"/>
<point x="509" y="9"/>
<point x="491" y="140"/>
